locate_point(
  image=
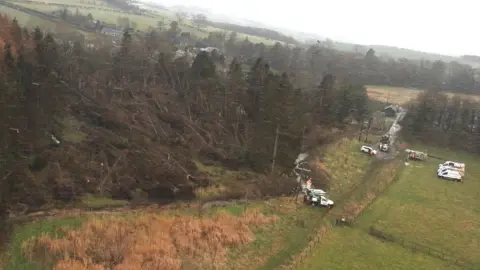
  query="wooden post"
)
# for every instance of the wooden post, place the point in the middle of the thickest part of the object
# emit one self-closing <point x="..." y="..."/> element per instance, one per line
<point x="275" y="148"/>
<point x="361" y="128"/>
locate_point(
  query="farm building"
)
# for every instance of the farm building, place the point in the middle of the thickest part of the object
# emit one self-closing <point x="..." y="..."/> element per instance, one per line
<point x="112" y="32"/>
<point x="391" y="111"/>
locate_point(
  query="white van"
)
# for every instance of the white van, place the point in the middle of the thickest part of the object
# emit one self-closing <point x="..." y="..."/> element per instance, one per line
<point x="450" y="175"/>
<point x="453" y="166"/>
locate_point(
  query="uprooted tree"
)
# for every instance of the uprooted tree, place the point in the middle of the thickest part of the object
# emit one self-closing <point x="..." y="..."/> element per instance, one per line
<point x="85" y="120"/>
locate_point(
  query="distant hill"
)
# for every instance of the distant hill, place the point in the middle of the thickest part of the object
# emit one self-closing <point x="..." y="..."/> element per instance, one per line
<point x="231" y="23"/>
<point x="471" y="58"/>
<point x="396" y="52"/>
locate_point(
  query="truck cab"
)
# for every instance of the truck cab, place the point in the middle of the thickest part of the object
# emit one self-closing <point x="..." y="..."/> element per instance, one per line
<point x="317" y="199"/>
<point x="385" y="143"/>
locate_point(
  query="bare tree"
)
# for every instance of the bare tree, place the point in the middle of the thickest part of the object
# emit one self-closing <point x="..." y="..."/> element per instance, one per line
<point x="200" y="20"/>
<point x="181" y="16"/>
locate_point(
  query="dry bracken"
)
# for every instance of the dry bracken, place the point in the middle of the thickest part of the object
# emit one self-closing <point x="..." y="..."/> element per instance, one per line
<point x="147" y="242"/>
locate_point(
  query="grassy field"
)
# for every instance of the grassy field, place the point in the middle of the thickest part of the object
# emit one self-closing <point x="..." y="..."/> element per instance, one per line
<point x="437" y="213"/>
<point x="400" y="95"/>
<point x="351" y="248"/>
<point x="389" y="94"/>
<point x="28" y="20"/>
<point x="143" y="22"/>
<point x="418" y="209"/>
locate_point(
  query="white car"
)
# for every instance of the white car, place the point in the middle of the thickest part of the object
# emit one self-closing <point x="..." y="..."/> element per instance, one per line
<point x="449" y="174"/>
<point x="368" y="150"/>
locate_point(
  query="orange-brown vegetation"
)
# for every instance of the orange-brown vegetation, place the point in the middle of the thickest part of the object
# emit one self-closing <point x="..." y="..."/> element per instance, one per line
<point x="147" y="242"/>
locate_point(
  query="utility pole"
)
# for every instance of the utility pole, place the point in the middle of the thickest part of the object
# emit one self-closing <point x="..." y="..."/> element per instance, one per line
<point x="275" y="147"/>
<point x="368" y="128"/>
<point x="361" y="127"/>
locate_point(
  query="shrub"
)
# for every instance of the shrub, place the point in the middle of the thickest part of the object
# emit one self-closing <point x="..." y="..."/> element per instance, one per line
<point x="147" y="242"/>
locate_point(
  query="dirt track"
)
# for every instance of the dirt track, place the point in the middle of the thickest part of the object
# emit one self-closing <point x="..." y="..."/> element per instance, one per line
<point x="393" y="131"/>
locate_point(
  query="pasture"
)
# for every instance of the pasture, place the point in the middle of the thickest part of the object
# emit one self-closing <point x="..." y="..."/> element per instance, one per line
<point x="28" y="20"/>
<point x="99" y="11"/>
<point x="433" y="212"/>
<point x="401" y="95"/>
<point x="388" y="94"/>
<point x="352" y="248"/>
<point x="438" y="218"/>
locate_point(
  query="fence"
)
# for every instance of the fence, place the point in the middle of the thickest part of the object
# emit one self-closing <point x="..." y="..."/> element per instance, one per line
<point x="417" y="247"/>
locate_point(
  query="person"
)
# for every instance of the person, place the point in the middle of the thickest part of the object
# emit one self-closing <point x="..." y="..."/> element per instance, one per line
<point x="309" y="183"/>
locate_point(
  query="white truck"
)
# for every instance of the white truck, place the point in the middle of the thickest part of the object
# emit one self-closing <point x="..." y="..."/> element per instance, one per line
<point x="317" y="197"/>
<point x="446" y="173"/>
<point x="385" y="143"/>
<point x="384" y="147"/>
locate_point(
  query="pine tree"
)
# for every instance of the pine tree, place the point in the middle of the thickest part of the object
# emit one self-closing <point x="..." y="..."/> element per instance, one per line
<point x="256" y="79"/>
<point x="203" y="66"/>
<point x="16" y="32"/>
<point x="235" y="92"/>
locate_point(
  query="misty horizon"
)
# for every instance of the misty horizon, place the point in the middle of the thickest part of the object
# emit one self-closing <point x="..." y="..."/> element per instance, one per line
<point x="442" y="28"/>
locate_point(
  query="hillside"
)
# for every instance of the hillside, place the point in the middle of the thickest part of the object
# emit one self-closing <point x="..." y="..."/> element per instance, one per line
<point x="256" y="32"/>
<point x="143" y="151"/>
<point x="224" y="21"/>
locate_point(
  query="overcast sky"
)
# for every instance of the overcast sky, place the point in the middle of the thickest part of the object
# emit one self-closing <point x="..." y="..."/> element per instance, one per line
<point x="445" y="27"/>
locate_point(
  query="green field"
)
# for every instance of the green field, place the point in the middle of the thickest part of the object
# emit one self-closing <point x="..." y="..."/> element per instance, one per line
<point x="28" y="20"/>
<point x="420" y="210"/>
<point x="352" y="248"/>
<point x="143" y="22"/>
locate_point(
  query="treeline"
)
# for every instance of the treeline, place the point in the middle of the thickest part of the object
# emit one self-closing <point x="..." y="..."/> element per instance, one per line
<point x="80" y="119"/>
<point x="438" y="119"/>
<point x="366" y="68"/>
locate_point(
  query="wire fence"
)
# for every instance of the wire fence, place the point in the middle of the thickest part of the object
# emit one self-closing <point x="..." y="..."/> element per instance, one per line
<point x="417" y="247"/>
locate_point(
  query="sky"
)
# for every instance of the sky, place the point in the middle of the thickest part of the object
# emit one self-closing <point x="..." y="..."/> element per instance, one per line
<point x="445" y="27"/>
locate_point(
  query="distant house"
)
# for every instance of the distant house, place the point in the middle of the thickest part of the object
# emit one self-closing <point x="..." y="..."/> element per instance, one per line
<point x="59" y="13"/>
<point x="390" y="111"/>
<point x="199" y="45"/>
<point x="112" y="32"/>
